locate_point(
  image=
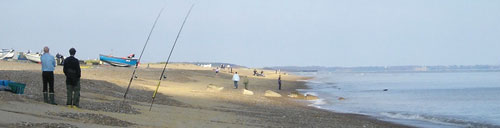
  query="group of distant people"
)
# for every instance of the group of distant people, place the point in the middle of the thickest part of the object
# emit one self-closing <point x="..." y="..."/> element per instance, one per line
<point x="257" y="74"/>
<point x="222" y="66"/>
<point x="72" y="72"/>
<point x="236" y="79"/>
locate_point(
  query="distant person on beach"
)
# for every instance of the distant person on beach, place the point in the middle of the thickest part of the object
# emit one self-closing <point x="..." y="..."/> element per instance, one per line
<point x="73" y="73"/>
<point x="254" y="72"/>
<point x="60" y="59"/>
<point x="245" y="81"/>
<point x="48" y="65"/>
<point x="236" y="78"/>
<point x="217" y="71"/>
<point x="279" y="82"/>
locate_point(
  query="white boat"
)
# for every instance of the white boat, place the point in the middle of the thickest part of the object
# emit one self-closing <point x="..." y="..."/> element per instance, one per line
<point x="6" y="54"/>
<point x="35" y="57"/>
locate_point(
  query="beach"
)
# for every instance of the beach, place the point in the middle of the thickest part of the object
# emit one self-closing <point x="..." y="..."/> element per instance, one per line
<point x="185" y="99"/>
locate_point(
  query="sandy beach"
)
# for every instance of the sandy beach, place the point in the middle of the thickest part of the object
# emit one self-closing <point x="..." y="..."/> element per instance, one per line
<point x="183" y="100"/>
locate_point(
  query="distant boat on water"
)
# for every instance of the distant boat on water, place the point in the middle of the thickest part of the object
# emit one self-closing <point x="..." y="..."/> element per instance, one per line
<point x="118" y="61"/>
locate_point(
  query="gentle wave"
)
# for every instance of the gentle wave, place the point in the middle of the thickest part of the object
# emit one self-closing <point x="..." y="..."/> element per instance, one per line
<point x="435" y="119"/>
<point x="317" y="103"/>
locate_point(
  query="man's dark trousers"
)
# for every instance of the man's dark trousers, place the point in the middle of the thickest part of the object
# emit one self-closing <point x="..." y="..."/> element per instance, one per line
<point x="48" y="80"/>
<point x="73" y="93"/>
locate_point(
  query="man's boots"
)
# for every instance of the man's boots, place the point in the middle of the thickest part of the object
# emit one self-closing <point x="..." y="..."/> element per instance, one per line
<point x="45" y="97"/>
<point x="52" y="100"/>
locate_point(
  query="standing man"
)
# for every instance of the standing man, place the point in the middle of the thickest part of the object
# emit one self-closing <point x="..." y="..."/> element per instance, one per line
<point x="73" y="73"/>
<point x="245" y="81"/>
<point x="236" y="78"/>
<point x="48" y="64"/>
<point x="279" y="82"/>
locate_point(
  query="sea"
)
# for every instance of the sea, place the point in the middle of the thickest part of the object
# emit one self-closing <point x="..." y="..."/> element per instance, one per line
<point x="420" y="99"/>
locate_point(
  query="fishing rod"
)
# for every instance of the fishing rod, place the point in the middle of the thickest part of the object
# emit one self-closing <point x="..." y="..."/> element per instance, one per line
<point x="139" y="60"/>
<point x="168" y="59"/>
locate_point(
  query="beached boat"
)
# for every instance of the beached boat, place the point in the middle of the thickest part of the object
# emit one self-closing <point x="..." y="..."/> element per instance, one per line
<point x="6" y="54"/>
<point x="34" y="57"/>
<point x="118" y="61"/>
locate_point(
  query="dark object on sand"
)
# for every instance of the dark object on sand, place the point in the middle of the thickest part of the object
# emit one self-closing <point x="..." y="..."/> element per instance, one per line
<point x="386" y="89"/>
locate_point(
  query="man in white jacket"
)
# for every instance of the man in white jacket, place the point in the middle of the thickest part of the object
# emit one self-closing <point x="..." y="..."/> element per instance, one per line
<point x="236" y="78"/>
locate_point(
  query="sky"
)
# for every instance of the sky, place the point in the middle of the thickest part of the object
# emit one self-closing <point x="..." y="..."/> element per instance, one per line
<point x="259" y="33"/>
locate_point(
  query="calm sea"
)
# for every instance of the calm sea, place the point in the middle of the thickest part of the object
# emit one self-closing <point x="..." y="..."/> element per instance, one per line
<point x="444" y="99"/>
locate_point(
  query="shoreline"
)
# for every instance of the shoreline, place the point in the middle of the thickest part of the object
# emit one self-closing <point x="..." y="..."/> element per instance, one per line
<point x="383" y="110"/>
<point x="309" y="104"/>
<point x="183" y="101"/>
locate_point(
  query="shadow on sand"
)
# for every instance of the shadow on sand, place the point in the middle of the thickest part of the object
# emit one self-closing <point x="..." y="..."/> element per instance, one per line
<point x="96" y="95"/>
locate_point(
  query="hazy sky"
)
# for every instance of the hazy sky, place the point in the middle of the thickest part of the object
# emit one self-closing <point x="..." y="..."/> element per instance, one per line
<point x="263" y="32"/>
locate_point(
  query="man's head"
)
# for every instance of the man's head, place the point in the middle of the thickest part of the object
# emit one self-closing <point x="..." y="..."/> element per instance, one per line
<point x="235" y="72"/>
<point x="45" y="49"/>
<point x="72" y="51"/>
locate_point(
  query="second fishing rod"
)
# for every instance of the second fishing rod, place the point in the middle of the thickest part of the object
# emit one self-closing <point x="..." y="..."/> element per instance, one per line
<point x="169" y="55"/>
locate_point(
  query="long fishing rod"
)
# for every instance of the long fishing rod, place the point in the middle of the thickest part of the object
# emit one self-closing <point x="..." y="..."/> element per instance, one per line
<point x="168" y="59"/>
<point x="139" y="60"/>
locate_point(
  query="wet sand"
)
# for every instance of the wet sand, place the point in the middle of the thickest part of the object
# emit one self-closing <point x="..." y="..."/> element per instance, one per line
<point x="183" y="100"/>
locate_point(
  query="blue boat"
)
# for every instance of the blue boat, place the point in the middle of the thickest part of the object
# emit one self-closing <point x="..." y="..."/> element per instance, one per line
<point x="118" y="61"/>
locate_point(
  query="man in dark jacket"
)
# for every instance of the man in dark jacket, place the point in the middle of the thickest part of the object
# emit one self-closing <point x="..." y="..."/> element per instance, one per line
<point x="279" y="82"/>
<point x="73" y="73"/>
